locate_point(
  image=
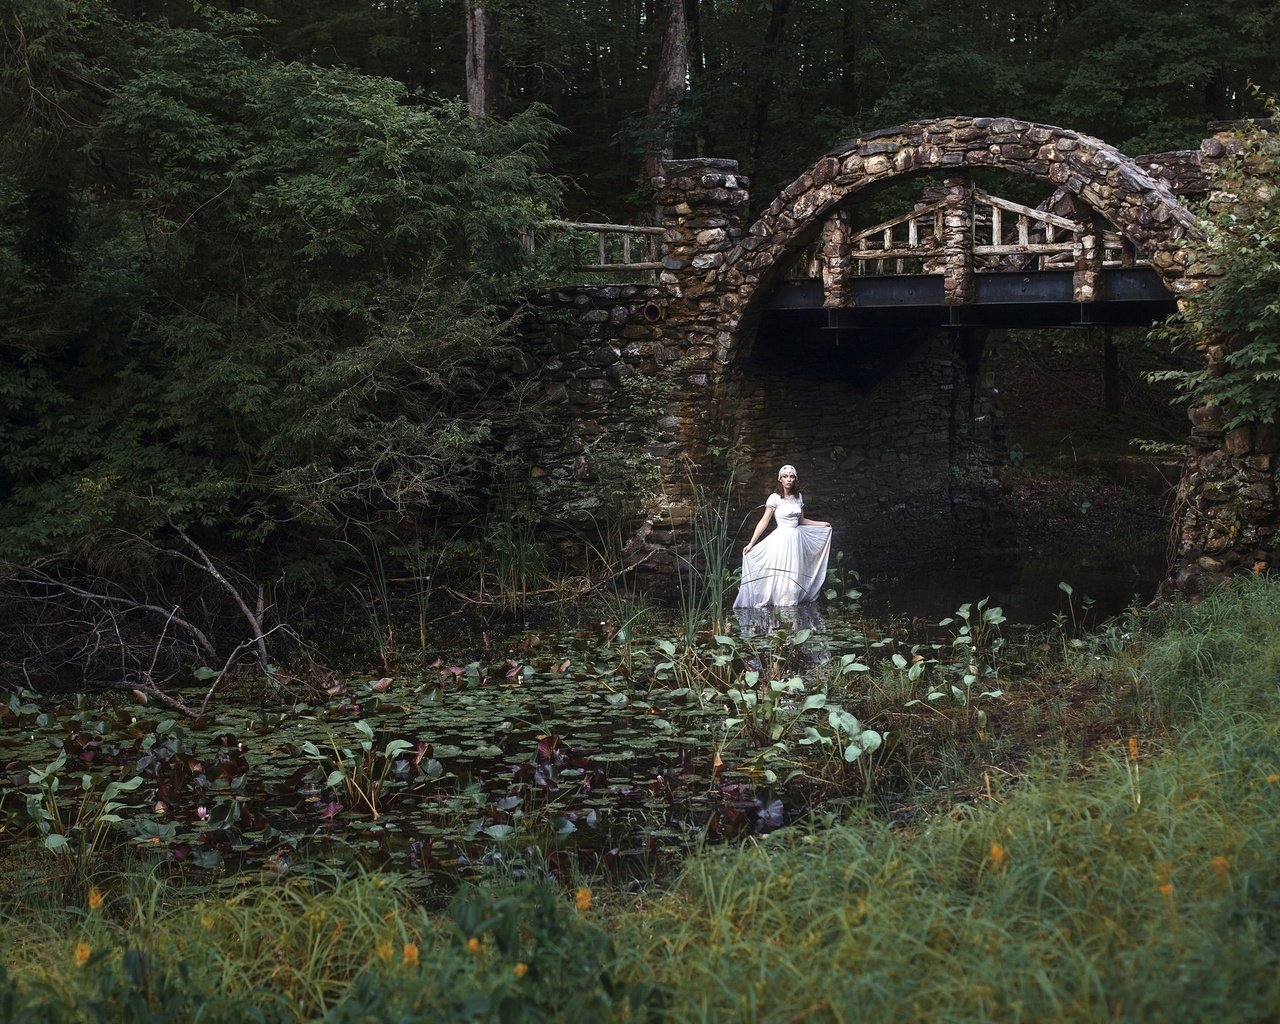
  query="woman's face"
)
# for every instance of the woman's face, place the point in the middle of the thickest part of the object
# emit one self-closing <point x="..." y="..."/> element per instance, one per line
<point x="788" y="481"/>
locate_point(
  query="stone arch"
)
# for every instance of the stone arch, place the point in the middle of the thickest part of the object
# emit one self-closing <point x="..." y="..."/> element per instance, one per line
<point x="1141" y="206"/>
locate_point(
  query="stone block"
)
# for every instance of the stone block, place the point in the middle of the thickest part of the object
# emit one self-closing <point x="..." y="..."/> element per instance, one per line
<point x="1239" y="441"/>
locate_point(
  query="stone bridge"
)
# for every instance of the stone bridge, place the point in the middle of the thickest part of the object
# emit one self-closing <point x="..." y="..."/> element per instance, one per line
<point x="883" y="402"/>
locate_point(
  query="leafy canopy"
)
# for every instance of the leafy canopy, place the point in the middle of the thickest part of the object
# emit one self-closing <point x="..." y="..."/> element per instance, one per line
<point x="1240" y="311"/>
<point x="243" y="293"/>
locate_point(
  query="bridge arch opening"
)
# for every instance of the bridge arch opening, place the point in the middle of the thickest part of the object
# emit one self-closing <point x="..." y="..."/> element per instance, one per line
<point x="882" y="382"/>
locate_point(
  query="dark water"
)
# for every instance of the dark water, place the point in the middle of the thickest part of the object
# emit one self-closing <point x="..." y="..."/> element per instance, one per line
<point x="1026" y="584"/>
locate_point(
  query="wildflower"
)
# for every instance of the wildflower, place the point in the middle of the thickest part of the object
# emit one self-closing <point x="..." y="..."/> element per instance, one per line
<point x="202" y="812"/>
<point x="582" y="900"/>
<point x="95" y="898"/>
<point x="1220" y="865"/>
<point x="1133" y="748"/>
<point x="997" y="854"/>
<point x="82" y="953"/>
<point x="1166" y="889"/>
<point x="521" y="969"/>
<point x="1273" y="778"/>
<point x="473" y="945"/>
<point x="207" y="922"/>
<point x="384" y="950"/>
<point x="411" y="954"/>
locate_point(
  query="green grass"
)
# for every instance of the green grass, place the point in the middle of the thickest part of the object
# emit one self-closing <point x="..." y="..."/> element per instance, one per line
<point x="1097" y="886"/>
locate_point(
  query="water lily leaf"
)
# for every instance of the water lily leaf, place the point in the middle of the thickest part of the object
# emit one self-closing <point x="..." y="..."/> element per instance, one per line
<point x="725" y="641"/>
<point x="811" y="736"/>
<point x="365" y="729"/>
<point x="56" y="841"/>
<point x="814" y="700"/>
<point x="899" y="662"/>
<point x="667" y="648"/>
<point x="499" y="832"/>
<point x="336" y="778"/>
<point x="565" y="827"/>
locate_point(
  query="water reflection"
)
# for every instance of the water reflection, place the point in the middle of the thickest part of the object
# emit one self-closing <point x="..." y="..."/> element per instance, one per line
<point x="763" y="621"/>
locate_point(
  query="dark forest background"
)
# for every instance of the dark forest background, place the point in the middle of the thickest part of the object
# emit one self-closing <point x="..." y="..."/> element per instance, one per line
<point x="260" y="262"/>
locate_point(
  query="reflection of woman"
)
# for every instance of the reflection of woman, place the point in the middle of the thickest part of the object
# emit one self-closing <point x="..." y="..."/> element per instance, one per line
<point x="789" y="565"/>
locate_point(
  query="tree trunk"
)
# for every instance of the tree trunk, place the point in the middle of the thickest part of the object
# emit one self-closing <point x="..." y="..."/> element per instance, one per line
<point x="778" y="12"/>
<point x="482" y="59"/>
<point x="668" y="87"/>
<point x="697" y="69"/>
<point x="849" y="41"/>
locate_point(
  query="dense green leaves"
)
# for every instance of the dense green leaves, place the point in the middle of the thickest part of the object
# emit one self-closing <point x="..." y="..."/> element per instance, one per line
<point x="258" y="292"/>
<point x="1239" y="315"/>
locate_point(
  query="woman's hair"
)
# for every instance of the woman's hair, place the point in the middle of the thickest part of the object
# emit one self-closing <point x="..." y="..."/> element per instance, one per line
<point x="795" y="490"/>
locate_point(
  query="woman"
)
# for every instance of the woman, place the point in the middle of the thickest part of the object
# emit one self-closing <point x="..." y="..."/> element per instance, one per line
<point x="789" y="566"/>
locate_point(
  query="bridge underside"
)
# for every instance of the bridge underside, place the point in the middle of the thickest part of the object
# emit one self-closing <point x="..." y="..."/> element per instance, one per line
<point x="1131" y="296"/>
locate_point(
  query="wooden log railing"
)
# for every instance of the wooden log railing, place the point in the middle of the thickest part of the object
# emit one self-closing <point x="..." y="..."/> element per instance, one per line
<point x="618" y="249"/>
<point x="1008" y="236"/>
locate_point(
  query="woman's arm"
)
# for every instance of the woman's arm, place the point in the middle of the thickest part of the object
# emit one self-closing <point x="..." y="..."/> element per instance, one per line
<point x="760" y="528"/>
<point x="813" y="522"/>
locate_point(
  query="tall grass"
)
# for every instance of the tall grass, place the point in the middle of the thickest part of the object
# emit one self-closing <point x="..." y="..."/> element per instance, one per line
<point x="1143" y="886"/>
<point x="704" y="569"/>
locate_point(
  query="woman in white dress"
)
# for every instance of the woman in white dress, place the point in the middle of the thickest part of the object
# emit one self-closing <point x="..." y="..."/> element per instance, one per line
<point x="787" y="567"/>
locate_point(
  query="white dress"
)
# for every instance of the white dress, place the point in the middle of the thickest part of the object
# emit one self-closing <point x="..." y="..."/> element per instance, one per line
<point x="789" y="565"/>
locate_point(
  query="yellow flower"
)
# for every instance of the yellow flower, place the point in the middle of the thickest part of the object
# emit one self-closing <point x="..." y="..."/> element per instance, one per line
<point x="583" y="899"/>
<point x="521" y="969"/>
<point x="1166" y="889"/>
<point x="384" y="950"/>
<point x="411" y="954"/>
<point x="1273" y="778"/>
<point x="207" y="922"/>
<point x="997" y="854"/>
<point x="82" y="953"/>
<point x="95" y="898"/>
<point x="1220" y="865"/>
<point x="1133" y="748"/>
<point x="473" y="945"/>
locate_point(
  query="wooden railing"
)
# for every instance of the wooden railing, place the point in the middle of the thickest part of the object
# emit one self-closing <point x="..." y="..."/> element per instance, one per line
<point x="619" y="249"/>
<point x="1007" y="236"/>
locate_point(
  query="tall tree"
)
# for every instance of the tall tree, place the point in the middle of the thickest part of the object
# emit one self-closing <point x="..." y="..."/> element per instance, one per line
<point x="778" y="12"/>
<point x="482" y="58"/>
<point x="669" y="85"/>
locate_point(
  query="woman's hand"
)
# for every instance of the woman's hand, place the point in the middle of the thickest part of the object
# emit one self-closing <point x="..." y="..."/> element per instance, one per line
<point x="747" y="548"/>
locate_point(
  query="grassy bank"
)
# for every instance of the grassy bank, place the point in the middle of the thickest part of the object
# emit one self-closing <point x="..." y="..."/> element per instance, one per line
<point x="1140" y="882"/>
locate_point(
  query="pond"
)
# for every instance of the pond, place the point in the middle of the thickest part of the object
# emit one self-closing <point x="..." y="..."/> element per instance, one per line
<point x="588" y="751"/>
